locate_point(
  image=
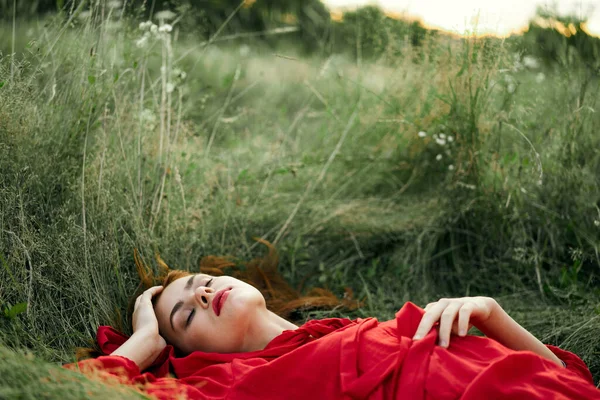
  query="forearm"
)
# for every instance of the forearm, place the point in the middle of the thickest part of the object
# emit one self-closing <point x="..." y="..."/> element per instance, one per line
<point x="501" y="327"/>
<point x="141" y="348"/>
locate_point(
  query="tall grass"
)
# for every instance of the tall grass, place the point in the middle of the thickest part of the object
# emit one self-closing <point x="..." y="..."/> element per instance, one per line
<point x="110" y="142"/>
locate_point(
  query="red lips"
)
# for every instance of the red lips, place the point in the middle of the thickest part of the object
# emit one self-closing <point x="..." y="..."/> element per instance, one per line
<point x="219" y="299"/>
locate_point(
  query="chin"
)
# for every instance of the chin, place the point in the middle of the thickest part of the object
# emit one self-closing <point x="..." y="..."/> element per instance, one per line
<point x="246" y="300"/>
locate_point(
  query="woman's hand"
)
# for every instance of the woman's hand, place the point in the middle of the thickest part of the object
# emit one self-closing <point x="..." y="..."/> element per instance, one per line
<point x="144" y="318"/>
<point x="146" y="343"/>
<point x="455" y="316"/>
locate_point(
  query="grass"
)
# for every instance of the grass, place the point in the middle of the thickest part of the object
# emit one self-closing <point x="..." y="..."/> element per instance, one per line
<point x="102" y="152"/>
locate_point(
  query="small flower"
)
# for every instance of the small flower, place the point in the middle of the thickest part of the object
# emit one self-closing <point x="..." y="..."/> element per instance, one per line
<point x="244" y="50"/>
<point x="540" y="77"/>
<point x="438" y="157"/>
<point x="114" y="4"/>
<point x="142" y="42"/>
<point x="596" y="222"/>
<point x="166" y="28"/>
<point x="178" y="73"/>
<point x="442" y="136"/>
<point x="154" y="28"/>
<point x="170" y="87"/>
<point x="531" y="62"/>
<point x="450" y="139"/>
<point x="177" y="176"/>
<point x="451" y="167"/>
<point x="144" y="25"/>
<point x="422" y="134"/>
<point x="440" y="141"/>
<point x="511" y="87"/>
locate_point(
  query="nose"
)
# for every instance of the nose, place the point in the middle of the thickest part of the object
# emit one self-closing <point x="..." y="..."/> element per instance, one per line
<point x="203" y="295"/>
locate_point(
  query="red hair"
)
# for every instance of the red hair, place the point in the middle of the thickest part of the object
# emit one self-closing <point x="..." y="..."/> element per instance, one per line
<point x="261" y="273"/>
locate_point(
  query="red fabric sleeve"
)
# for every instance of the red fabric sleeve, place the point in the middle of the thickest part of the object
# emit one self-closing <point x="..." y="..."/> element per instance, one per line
<point x="573" y="362"/>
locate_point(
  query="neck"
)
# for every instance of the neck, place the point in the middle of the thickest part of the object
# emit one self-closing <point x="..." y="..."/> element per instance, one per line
<point x="267" y="327"/>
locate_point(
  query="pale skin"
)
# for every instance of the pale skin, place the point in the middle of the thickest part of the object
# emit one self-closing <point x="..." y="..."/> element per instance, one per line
<point x="455" y="316"/>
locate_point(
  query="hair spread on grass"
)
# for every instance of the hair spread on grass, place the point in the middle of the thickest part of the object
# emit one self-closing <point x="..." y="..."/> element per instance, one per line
<point x="260" y="272"/>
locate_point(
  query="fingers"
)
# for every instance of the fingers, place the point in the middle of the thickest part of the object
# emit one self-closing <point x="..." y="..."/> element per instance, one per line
<point x="148" y="294"/>
<point x="464" y="316"/>
<point x="452" y="314"/>
<point x="432" y="315"/>
<point x="446" y="321"/>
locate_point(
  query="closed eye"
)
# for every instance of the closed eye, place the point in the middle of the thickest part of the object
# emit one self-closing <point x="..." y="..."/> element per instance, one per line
<point x="189" y="319"/>
<point x="193" y="312"/>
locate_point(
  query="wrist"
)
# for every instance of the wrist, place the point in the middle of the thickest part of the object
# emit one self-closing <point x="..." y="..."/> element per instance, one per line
<point x="150" y="339"/>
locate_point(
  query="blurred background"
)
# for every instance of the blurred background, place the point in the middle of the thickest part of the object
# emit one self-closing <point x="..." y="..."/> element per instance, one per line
<point x="391" y="151"/>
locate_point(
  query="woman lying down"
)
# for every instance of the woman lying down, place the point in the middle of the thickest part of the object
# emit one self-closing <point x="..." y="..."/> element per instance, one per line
<point x="212" y="336"/>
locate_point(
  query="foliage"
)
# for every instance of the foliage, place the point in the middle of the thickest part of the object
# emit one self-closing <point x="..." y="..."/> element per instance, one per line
<point x="445" y="169"/>
<point x="562" y="41"/>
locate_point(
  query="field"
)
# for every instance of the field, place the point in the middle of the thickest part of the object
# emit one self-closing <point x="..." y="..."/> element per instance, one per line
<point x="451" y="169"/>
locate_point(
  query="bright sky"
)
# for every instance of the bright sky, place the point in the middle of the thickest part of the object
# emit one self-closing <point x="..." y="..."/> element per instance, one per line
<point x="498" y="16"/>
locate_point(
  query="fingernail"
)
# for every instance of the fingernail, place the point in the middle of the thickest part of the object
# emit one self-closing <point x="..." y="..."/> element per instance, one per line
<point x="443" y="343"/>
<point x="416" y="337"/>
<point x="462" y="332"/>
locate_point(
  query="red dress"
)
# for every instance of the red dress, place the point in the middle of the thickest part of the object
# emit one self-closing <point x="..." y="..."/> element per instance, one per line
<point x="338" y="358"/>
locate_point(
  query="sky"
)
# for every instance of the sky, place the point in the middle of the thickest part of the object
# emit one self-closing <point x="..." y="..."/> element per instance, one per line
<point x="500" y="17"/>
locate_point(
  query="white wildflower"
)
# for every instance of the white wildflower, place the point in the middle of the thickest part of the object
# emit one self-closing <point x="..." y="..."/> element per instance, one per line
<point x="511" y="87"/>
<point x="517" y="66"/>
<point x="443" y="136"/>
<point x="179" y="74"/>
<point x="154" y="28"/>
<point x="114" y="4"/>
<point x="422" y="134"/>
<point x="165" y="15"/>
<point x="440" y="141"/>
<point x="170" y="87"/>
<point x="466" y="185"/>
<point x="596" y="222"/>
<point x="539" y="78"/>
<point x="177" y="176"/>
<point x="531" y="62"/>
<point x="148" y="117"/>
<point x="244" y="50"/>
<point x="142" y="42"/>
<point x="438" y="157"/>
<point x="451" y="167"/>
<point x="166" y="28"/>
<point x="450" y="139"/>
<point x="145" y="25"/>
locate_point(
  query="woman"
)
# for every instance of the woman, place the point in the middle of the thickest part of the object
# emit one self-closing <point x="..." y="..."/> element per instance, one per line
<point x="234" y="347"/>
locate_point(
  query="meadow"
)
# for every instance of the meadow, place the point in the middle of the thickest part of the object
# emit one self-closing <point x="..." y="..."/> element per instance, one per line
<point x="457" y="168"/>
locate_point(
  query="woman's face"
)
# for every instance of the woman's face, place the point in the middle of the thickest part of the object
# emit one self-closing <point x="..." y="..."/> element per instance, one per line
<point x="207" y="313"/>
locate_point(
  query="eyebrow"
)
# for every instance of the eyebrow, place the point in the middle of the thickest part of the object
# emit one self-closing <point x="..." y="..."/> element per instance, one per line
<point x="179" y="304"/>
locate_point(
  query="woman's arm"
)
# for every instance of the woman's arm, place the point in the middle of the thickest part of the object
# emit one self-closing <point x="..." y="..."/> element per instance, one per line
<point x="456" y="315"/>
<point x="501" y="327"/>
<point x="142" y="348"/>
<point x="146" y="343"/>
